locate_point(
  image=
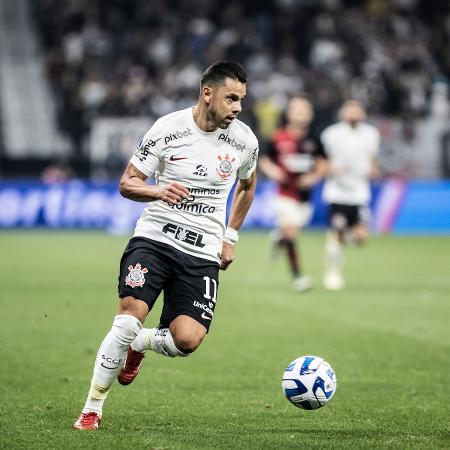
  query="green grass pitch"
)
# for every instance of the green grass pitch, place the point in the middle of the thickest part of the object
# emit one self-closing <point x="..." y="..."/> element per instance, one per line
<point x="387" y="335"/>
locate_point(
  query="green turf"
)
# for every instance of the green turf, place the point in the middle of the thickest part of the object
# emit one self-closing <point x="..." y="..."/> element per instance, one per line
<point x="387" y="336"/>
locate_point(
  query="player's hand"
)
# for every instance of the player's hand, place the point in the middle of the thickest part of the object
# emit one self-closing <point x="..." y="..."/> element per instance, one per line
<point x="307" y="180"/>
<point x="173" y="193"/>
<point x="227" y="256"/>
<point x="337" y="170"/>
<point x="281" y="177"/>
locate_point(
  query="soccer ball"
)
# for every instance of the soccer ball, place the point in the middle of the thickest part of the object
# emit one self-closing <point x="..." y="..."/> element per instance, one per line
<point x="309" y="382"/>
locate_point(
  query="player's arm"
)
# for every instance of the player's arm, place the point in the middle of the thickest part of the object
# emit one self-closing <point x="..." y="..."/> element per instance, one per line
<point x="272" y="170"/>
<point x="320" y="170"/>
<point x="242" y="199"/>
<point x="134" y="187"/>
<point x="374" y="172"/>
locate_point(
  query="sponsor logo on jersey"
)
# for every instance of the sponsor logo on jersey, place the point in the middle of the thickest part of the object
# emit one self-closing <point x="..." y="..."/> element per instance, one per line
<point x="205" y="191"/>
<point x="225" y="168"/>
<point x="143" y="150"/>
<point x="184" y="235"/>
<point x="201" y="171"/>
<point x="177" y="158"/>
<point x="189" y="205"/>
<point x="231" y="141"/>
<point x="148" y="144"/>
<point x="177" y="135"/>
<point x="136" y="277"/>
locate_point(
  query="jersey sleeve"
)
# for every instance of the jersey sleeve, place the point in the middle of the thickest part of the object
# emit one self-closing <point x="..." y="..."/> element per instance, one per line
<point x="248" y="165"/>
<point x="147" y="156"/>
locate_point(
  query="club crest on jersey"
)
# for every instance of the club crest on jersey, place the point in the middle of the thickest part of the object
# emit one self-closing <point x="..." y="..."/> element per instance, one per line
<point x="225" y="168"/>
<point x="136" y="276"/>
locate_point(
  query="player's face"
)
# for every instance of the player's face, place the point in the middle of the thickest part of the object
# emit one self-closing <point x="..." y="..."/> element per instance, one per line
<point x="353" y="112"/>
<point x="224" y="102"/>
<point x="299" y="112"/>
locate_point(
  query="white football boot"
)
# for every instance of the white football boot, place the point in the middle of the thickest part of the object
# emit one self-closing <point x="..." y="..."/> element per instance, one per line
<point x="303" y="283"/>
<point x="333" y="281"/>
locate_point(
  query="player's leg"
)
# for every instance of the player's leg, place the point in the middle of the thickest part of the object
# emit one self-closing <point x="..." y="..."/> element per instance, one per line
<point x="135" y="280"/>
<point x="360" y="233"/>
<point x="181" y="338"/>
<point x="110" y="358"/>
<point x="333" y="278"/>
<point x="288" y="242"/>
<point x="292" y="216"/>
<point x="360" y="229"/>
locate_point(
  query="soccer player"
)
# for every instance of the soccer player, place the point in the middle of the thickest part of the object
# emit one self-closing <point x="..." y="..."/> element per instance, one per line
<point x="296" y="161"/>
<point x="180" y="241"/>
<point x="352" y="147"/>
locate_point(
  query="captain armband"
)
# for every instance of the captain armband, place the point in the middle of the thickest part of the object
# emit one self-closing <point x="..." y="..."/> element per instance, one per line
<point x="231" y="236"/>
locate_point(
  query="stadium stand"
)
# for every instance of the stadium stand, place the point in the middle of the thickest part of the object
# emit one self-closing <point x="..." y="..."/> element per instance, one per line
<point x="143" y="58"/>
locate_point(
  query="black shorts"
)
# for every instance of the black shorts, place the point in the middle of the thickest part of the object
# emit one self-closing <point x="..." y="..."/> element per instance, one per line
<point x="347" y="216"/>
<point x="190" y="284"/>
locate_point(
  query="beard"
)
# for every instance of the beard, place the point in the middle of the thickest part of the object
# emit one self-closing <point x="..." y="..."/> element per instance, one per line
<point x="218" y="120"/>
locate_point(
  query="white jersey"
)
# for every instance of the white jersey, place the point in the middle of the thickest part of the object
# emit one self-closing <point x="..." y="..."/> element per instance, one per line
<point x="352" y="150"/>
<point x="174" y="149"/>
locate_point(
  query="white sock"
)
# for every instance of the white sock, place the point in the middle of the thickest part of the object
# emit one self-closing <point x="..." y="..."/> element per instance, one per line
<point x="110" y="358"/>
<point x="142" y="341"/>
<point x="333" y="255"/>
<point x="159" y="340"/>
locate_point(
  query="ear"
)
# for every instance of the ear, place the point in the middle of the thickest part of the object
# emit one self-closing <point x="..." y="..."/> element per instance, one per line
<point x="206" y="94"/>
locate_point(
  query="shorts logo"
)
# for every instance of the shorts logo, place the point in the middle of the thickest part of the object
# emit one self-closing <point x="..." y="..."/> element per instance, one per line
<point x="206" y="311"/>
<point x="225" y="168"/>
<point x="136" y="276"/>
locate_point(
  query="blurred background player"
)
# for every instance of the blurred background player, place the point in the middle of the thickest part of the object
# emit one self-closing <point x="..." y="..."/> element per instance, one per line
<point x="294" y="159"/>
<point x="351" y="146"/>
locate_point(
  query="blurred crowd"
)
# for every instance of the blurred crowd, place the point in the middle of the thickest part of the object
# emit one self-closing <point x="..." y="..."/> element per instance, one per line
<point x="145" y="57"/>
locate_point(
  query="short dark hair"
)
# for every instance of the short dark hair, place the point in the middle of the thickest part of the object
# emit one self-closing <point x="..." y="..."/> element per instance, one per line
<point x="217" y="72"/>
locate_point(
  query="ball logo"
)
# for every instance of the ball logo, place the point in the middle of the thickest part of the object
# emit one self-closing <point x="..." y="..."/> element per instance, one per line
<point x="225" y="168"/>
<point x="136" y="277"/>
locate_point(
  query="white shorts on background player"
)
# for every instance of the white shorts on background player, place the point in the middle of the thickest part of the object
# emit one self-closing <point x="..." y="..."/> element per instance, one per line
<point x="207" y="163"/>
<point x="291" y="212"/>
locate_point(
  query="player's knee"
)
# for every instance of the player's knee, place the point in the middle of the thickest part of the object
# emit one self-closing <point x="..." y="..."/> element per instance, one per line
<point x="187" y="333"/>
<point x="188" y="342"/>
<point x="289" y="233"/>
<point x="361" y="235"/>
<point x="133" y="307"/>
<point x="125" y="328"/>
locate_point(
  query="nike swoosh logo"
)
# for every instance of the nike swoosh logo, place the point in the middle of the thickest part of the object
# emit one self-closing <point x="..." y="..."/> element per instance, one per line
<point x="204" y="316"/>
<point x="106" y="367"/>
<point x="177" y="158"/>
